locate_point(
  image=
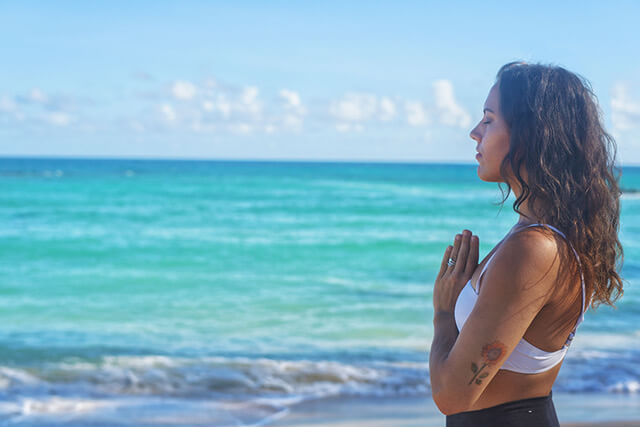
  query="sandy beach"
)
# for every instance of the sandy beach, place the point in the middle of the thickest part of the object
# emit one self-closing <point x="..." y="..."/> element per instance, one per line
<point x="421" y="412"/>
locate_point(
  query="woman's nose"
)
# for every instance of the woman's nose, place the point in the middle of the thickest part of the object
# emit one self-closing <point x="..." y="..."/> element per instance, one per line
<point x="474" y="134"/>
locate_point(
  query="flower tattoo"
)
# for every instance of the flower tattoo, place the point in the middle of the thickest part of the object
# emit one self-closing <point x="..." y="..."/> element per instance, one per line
<point x="491" y="354"/>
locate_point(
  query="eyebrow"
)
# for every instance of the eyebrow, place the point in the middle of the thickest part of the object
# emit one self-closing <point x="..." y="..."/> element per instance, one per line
<point x="489" y="110"/>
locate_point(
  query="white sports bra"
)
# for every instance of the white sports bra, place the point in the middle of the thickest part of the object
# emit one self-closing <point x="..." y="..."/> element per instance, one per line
<point x="526" y="358"/>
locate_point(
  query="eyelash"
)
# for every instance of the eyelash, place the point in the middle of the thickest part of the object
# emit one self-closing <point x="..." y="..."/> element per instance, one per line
<point x="487" y="122"/>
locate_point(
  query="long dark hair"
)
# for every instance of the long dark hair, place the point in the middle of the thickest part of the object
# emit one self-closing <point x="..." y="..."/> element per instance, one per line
<point x="557" y="136"/>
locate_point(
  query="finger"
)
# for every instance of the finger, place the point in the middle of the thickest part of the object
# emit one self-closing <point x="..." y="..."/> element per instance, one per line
<point x="455" y="250"/>
<point x="445" y="260"/>
<point x="472" y="259"/>
<point x="463" y="253"/>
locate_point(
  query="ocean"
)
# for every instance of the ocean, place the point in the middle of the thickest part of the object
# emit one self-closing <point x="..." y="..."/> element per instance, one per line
<point x="139" y="291"/>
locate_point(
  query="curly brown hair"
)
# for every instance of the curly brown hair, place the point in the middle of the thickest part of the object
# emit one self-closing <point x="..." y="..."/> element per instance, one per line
<point x="557" y="136"/>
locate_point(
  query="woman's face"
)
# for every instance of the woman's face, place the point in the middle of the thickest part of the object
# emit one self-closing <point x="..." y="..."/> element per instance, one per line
<point x="492" y="136"/>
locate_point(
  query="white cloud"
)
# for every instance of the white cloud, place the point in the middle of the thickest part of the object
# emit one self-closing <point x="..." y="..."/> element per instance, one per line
<point x="215" y="106"/>
<point x="241" y="128"/>
<point x="211" y="102"/>
<point x="224" y="106"/>
<point x="58" y="118"/>
<point x="249" y="100"/>
<point x="354" y="107"/>
<point x="210" y="83"/>
<point x="7" y="105"/>
<point x="37" y="107"/>
<point x="449" y="112"/>
<point x="207" y="105"/>
<point x="292" y="121"/>
<point x="625" y="113"/>
<point x="183" y="90"/>
<point x="292" y="116"/>
<point x="168" y="112"/>
<point x="250" y="94"/>
<point x="416" y="113"/>
<point x="292" y="98"/>
<point x="386" y="109"/>
<point x="38" y="96"/>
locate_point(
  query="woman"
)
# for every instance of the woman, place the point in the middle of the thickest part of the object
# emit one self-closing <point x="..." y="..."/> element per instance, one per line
<point x="502" y="327"/>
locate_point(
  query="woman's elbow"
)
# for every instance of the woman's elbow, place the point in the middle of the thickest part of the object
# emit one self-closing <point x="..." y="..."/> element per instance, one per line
<point x="450" y="404"/>
<point x="449" y="394"/>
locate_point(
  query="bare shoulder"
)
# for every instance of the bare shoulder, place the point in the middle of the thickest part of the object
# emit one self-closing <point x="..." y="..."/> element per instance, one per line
<point x="529" y="256"/>
<point x="538" y="244"/>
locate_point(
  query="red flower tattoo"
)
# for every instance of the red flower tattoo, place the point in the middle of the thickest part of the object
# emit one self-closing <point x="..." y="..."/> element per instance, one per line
<point x="491" y="354"/>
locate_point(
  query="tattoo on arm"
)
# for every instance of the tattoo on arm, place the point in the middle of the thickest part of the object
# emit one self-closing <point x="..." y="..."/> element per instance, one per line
<point x="491" y="354"/>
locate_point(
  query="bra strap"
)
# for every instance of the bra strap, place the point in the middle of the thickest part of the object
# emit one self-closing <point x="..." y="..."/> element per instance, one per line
<point x="482" y="272"/>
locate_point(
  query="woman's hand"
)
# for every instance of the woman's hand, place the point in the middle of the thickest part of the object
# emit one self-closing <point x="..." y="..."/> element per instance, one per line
<point x="452" y="278"/>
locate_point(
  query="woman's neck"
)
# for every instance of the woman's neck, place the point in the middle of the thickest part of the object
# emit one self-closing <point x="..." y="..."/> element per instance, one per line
<point x="527" y="214"/>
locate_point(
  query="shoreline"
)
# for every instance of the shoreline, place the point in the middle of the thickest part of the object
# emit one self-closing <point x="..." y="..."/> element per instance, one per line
<point x="581" y="410"/>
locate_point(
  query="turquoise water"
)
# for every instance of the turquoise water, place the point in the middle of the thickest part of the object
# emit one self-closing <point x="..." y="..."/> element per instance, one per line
<point x="254" y="282"/>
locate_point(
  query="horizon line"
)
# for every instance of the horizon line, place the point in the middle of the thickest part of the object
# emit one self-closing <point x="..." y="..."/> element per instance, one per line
<point x="257" y="160"/>
<point x="237" y="159"/>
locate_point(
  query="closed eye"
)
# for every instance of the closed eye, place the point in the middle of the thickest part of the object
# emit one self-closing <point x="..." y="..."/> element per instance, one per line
<point x="487" y="122"/>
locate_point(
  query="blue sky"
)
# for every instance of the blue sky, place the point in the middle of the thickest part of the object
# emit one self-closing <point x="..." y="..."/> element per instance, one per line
<point x="381" y="81"/>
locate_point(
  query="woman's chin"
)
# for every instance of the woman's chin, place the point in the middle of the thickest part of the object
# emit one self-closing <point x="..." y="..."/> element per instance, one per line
<point x="484" y="176"/>
<point x="481" y="173"/>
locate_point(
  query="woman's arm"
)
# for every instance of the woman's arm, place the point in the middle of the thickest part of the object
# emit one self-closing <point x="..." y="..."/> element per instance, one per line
<point x="449" y="283"/>
<point x="445" y="333"/>
<point x="516" y="286"/>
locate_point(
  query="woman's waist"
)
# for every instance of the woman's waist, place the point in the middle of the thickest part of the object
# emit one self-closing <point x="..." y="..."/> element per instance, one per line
<point x="507" y="386"/>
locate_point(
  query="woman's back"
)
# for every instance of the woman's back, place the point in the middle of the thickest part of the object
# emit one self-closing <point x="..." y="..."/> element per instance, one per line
<point x="544" y="333"/>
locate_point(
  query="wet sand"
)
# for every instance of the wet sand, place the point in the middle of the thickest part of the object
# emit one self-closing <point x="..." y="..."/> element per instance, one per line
<point x="422" y="412"/>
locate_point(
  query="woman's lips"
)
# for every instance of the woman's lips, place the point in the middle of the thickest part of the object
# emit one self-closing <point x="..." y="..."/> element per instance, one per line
<point x="478" y="156"/>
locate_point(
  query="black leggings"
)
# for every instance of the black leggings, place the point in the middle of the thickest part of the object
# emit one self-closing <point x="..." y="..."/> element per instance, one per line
<point x="534" y="412"/>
